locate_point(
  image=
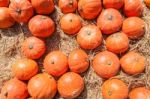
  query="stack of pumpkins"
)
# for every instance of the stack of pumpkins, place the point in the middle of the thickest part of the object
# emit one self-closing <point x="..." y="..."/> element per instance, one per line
<point x="56" y="64"/>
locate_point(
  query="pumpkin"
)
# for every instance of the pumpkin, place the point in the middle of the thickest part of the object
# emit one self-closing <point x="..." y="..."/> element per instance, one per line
<point x="89" y="37"/>
<point x="6" y="20"/>
<point x="4" y="3"/>
<point x="56" y="63"/>
<point x="120" y="40"/>
<point x="43" y="6"/>
<point x="133" y="63"/>
<point x="68" y="6"/>
<point x="78" y="61"/>
<point x="70" y="23"/>
<point x="33" y="47"/>
<point x="106" y="64"/>
<point x="114" y="89"/>
<point x="42" y="86"/>
<point x="110" y="21"/>
<point x="89" y="9"/>
<point x="14" y="89"/>
<point x="70" y="85"/>
<point x="41" y="26"/>
<point x="134" y="27"/>
<point x="117" y="4"/>
<point x="147" y="2"/>
<point x="21" y="10"/>
<point x="133" y="8"/>
<point x="139" y="93"/>
<point x="24" y="69"/>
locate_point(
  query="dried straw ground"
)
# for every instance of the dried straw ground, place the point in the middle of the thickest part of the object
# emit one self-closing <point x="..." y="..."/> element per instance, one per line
<point x="12" y="38"/>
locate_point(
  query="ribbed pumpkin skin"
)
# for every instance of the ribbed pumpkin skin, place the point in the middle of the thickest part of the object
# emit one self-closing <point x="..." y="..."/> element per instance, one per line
<point x="89" y="9"/>
<point x="4" y="3"/>
<point x="117" y="4"/>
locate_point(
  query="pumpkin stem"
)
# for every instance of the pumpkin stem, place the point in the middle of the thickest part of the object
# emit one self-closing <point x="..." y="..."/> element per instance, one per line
<point x="70" y="2"/>
<point x="31" y="46"/>
<point x="109" y="63"/>
<point x="43" y="17"/>
<point x="80" y="9"/>
<point x="52" y="62"/>
<point x="70" y="20"/>
<point x="110" y="17"/>
<point x="18" y="11"/>
<point x="6" y="94"/>
<point x="109" y="93"/>
<point x="88" y="33"/>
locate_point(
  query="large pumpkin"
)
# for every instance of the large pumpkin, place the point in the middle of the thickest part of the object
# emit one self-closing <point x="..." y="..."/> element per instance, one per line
<point x="89" y="9"/>
<point x="33" y="48"/>
<point x="4" y="3"/>
<point x="120" y="40"/>
<point x="70" y="23"/>
<point x="106" y="64"/>
<point x="110" y="21"/>
<point x="147" y="2"/>
<point x="6" y="20"/>
<point x="134" y="27"/>
<point x="89" y="37"/>
<point x="117" y="4"/>
<point x="56" y="63"/>
<point x="41" y="26"/>
<point x="70" y="85"/>
<point x="43" y="6"/>
<point x="133" y="8"/>
<point x="14" y="89"/>
<point x="42" y="86"/>
<point x="114" y="89"/>
<point x="21" y="10"/>
<point x="24" y="69"/>
<point x="133" y="63"/>
<point x="68" y="6"/>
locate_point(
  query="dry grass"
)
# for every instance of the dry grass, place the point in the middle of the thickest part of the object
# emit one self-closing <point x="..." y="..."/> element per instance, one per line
<point x="12" y="38"/>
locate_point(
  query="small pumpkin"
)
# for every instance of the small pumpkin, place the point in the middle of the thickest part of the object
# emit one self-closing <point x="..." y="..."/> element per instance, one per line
<point x="110" y="21"/>
<point x="56" y="63"/>
<point x="133" y="63"/>
<point x="43" y="6"/>
<point x="133" y="8"/>
<point x="106" y="64"/>
<point x="21" y="10"/>
<point x="89" y="37"/>
<point x="78" y="61"/>
<point x="70" y="23"/>
<point x="89" y="9"/>
<point x="24" y="69"/>
<point x="139" y="93"/>
<point x="6" y="20"/>
<point x="70" y="85"/>
<point x="4" y="3"/>
<point x="134" y="27"/>
<point x="33" y="47"/>
<point x="68" y="6"/>
<point x="41" y="26"/>
<point x="117" y="4"/>
<point x="114" y="89"/>
<point x="120" y="40"/>
<point x="42" y="86"/>
<point x="147" y="2"/>
<point x="14" y="89"/>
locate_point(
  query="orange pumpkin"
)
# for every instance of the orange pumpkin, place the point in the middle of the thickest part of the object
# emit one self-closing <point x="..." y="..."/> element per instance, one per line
<point x="24" y="69"/>
<point x="6" y="20"/>
<point x="114" y="89"/>
<point x="89" y="37"/>
<point x="117" y="43"/>
<point x="110" y="21"/>
<point x="106" y="64"/>
<point x="78" y="61"/>
<point x="42" y="86"/>
<point x="133" y="8"/>
<point x="134" y="27"/>
<point x="70" y="23"/>
<point x="117" y="4"/>
<point x="139" y="93"/>
<point x="147" y="2"/>
<point x="68" y="6"/>
<point x="56" y="63"/>
<point x="4" y="3"/>
<point x="133" y="63"/>
<point x="21" y="10"/>
<point x="14" y="89"/>
<point x="89" y="9"/>
<point x="33" y="48"/>
<point x="43" y="6"/>
<point x="41" y="26"/>
<point x="70" y="85"/>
